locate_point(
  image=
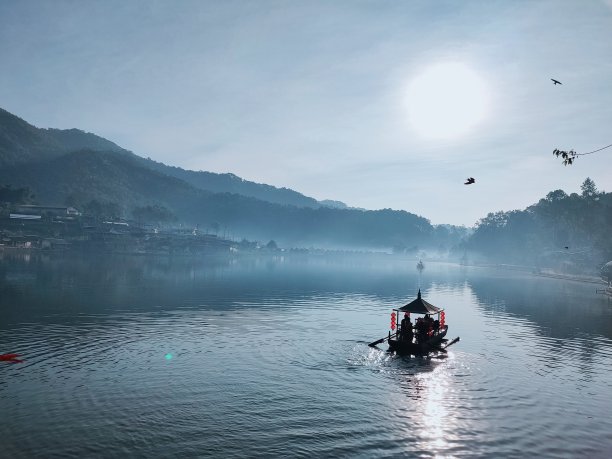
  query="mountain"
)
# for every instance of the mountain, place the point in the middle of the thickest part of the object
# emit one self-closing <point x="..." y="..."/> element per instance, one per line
<point x="75" y="139"/>
<point x="333" y="204"/>
<point x="80" y="177"/>
<point x="73" y="167"/>
<point x="230" y="183"/>
<point x="569" y="232"/>
<point x="21" y="142"/>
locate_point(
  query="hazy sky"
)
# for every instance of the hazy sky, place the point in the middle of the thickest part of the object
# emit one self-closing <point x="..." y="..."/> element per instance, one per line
<point x="376" y="103"/>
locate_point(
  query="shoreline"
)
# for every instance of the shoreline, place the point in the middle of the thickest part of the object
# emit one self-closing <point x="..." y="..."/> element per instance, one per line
<point x="546" y="272"/>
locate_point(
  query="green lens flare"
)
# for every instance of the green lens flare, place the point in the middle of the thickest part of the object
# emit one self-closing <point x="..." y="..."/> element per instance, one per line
<point x="168" y="356"/>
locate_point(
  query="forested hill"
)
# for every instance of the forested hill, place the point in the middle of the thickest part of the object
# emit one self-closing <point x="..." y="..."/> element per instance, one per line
<point x="568" y="232"/>
<point x="230" y="183"/>
<point x="22" y="143"/>
<point x="86" y="171"/>
<point x="116" y="185"/>
<point x="72" y="167"/>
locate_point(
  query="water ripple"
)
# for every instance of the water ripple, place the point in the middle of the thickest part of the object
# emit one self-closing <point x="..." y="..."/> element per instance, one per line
<point x="286" y="371"/>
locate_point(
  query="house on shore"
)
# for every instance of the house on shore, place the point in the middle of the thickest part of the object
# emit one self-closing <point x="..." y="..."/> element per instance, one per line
<point x="52" y="211"/>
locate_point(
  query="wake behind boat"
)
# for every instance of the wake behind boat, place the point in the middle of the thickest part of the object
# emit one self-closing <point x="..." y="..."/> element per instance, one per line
<point x="426" y="335"/>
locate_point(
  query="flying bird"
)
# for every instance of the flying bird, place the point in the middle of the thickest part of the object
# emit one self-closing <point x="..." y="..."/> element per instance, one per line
<point x="555" y="82"/>
<point x="470" y="180"/>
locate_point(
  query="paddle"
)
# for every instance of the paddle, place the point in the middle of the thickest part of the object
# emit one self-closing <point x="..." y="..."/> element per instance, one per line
<point x="443" y="349"/>
<point x="381" y="340"/>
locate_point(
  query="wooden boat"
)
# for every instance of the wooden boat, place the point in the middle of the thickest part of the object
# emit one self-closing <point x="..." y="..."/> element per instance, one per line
<point x="427" y="335"/>
<point x="431" y="344"/>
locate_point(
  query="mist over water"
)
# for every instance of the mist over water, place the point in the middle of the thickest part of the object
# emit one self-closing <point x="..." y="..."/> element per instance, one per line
<point x="161" y="357"/>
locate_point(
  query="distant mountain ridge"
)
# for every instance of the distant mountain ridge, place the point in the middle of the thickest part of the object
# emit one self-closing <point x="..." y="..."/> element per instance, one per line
<point x="21" y="143"/>
<point x="72" y="167"/>
<point x="230" y="183"/>
<point x="79" y="177"/>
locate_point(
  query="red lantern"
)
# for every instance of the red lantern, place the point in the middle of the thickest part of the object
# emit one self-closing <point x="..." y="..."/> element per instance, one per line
<point x="393" y="320"/>
<point x="442" y="317"/>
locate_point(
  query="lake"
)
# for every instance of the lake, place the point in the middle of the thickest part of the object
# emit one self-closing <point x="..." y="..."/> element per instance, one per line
<point x="177" y="358"/>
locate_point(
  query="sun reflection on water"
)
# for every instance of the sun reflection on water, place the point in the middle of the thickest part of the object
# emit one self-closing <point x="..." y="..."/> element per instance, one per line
<point x="435" y="414"/>
<point x="426" y="391"/>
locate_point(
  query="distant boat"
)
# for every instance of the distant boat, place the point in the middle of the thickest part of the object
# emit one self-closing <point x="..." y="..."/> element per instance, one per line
<point x="420" y="265"/>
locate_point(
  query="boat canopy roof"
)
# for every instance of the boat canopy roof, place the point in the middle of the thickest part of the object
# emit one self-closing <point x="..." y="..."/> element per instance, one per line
<point x="420" y="306"/>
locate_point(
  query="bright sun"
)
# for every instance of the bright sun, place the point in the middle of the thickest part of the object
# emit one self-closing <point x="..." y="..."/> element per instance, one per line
<point x="446" y="101"/>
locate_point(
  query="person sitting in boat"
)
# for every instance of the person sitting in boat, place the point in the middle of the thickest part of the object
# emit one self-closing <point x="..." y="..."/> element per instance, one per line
<point x="405" y="324"/>
<point x="429" y="321"/>
<point x="406" y="333"/>
<point x="436" y="326"/>
<point x="421" y="328"/>
<point x="425" y="326"/>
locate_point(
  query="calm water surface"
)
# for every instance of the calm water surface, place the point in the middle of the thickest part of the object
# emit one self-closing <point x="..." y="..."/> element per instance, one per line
<point x="147" y="357"/>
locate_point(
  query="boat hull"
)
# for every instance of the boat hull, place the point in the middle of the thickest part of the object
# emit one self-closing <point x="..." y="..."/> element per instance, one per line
<point x="431" y="345"/>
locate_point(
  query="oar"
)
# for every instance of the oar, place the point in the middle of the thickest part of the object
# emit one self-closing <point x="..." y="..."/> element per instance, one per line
<point x="381" y="340"/>
<point x="443" y="349"/>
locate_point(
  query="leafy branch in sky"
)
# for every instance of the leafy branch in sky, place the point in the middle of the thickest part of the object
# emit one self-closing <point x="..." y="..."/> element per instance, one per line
<point x="570" y="156"/>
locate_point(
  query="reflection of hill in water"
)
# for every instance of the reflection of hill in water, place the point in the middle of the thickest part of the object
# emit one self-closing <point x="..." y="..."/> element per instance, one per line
<point x="44" y="285"/>
<point x="561" y="309"/>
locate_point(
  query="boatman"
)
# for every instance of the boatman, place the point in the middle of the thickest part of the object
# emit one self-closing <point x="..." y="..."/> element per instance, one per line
<point x="421" y="329"/>
<point x="406" y="330"/>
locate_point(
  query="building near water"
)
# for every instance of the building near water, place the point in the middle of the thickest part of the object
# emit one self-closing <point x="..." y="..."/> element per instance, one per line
<point x="24" y="217"/>
<point x="54" y="211"/>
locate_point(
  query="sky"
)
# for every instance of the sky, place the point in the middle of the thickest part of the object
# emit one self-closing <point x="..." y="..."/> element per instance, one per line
<point x="379" y="104"/>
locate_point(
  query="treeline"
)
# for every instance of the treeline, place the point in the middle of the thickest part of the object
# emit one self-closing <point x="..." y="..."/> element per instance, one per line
<point x="571" y="232"/>
<point x="230" y="183"/>
<point x="79" y="169"/>
<point x="115" y="185"/>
